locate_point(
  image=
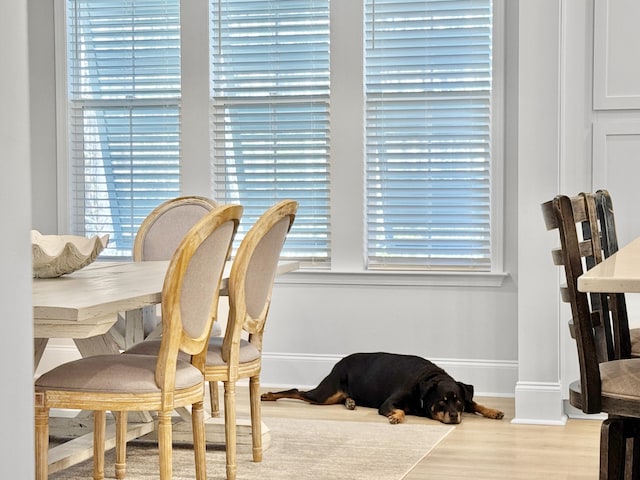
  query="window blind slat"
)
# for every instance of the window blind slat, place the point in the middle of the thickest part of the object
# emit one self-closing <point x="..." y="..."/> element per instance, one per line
<point x="428" y="133"/>
<point x="123" y="61"/>
<point x="270" y="121"/>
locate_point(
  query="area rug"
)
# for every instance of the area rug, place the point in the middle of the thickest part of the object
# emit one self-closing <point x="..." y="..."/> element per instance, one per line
<point x="300" y="449"/>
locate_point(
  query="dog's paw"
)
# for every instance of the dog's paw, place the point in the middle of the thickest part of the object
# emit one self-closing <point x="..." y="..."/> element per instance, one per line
<point x="350" y="403"/>
<point x="267" y="397"/>
<point x="395" y="417"/>
<point x="488" y="412"/>
<point x="497" y="415"/>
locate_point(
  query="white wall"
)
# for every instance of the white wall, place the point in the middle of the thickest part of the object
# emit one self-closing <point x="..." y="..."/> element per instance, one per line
<point x="579" y="130"/>
<point x="43" y="116"/>
<point x="471" y="330"/>
<point x="538" y="393"/>
<point x="16" y="341"/>
<point x="492" y="337"/>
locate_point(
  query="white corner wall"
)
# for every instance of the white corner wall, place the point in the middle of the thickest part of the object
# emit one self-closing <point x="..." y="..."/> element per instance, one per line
<point x="16" y="342"/>
<point x="538" y="391"/>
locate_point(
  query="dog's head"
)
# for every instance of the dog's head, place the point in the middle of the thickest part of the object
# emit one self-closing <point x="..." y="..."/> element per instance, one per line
<point x="444" y="399"/>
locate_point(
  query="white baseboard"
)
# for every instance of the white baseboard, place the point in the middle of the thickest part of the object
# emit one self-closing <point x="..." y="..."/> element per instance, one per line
<point x="490" y="378"/>
<point x="539" y="403"/>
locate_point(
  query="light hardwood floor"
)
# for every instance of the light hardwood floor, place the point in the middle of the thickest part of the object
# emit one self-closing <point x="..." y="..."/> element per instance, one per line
<point x="481" y="448"/>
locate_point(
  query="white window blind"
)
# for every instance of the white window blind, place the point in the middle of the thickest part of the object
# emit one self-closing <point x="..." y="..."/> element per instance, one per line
<point x="428" y="141"/>
<point x="123" y="60"/>
<point x="270" y="97"/>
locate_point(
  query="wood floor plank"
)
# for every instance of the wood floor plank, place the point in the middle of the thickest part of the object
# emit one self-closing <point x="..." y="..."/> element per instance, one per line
<point x="481" y="448"/>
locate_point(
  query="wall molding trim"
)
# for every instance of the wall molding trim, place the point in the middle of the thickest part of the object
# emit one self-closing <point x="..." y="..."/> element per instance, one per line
<point x="539" y="403"/>
<point x="490" y="378"/>
<point x="615" y="31"/>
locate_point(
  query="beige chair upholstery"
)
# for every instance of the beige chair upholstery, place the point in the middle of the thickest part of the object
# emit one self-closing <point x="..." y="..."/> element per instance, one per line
<point x="161" y="232"/>
<point x="238" y="354"/>
<point x="122" y="383"/>
<point x="157" y="238"/>
<point x="608" y="383"/>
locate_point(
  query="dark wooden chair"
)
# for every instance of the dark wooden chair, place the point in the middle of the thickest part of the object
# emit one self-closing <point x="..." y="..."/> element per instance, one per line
<point x="608" y="383"/>
<point x="628" y="339"/>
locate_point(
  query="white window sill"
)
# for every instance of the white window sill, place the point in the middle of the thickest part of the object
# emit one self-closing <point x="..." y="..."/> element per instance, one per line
<point x="389" y="278"/>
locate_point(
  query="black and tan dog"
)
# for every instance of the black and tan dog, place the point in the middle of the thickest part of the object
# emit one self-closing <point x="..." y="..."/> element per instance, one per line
<point x="394" y="384"/>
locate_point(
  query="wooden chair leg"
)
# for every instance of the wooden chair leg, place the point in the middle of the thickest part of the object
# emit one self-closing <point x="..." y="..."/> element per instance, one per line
<point x="214" y="399"/>
<point x="199" y="441"/>
<point x="256" y="418"/>
<point x="99" y="426"/>
<point x="230" y="428"/>
<point x="121" y="444"/>
<point x="42" y="442"/>
<point x="631" y="439"/>
<point x="632" y="459"/>
<point x="612" y="449"/>
<point x="164" y="444"/>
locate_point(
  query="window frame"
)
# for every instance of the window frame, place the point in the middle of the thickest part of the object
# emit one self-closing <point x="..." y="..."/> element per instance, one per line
<point x="270" y="115"/>
<point x="67" y="167"/>
<point x="348" y="202"/>
<point x="347" y="129"/>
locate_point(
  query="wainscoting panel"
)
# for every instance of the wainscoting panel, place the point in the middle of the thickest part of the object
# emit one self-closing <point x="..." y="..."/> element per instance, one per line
<point x="616" y="76"/>
<point x="616" y="167"/>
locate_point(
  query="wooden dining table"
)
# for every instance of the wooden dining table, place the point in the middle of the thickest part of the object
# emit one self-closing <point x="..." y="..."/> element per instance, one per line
<point x="84" y="306"/>
<point x="620" y="273"/>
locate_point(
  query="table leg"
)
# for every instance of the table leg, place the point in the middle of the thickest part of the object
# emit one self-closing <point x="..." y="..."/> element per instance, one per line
<point x="135" y="321"/>
<point x="98" y="345"/>
<point x="39" y="344"/>
<point x="131" y="326"/>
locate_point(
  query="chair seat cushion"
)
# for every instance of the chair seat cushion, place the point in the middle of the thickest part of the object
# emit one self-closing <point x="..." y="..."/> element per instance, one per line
<point x="152" y="347"/>
<point x="634" y="333"/>
<point x="114" y="373"/>
<point x="621" y="379"/>
<point x="248" y="353"/>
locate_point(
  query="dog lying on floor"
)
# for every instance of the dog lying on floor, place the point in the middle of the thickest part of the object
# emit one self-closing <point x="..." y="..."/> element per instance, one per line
<point x="394" y="384"/>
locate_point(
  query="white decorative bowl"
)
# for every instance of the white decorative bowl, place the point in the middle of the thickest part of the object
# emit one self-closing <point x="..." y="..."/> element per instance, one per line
<point x="55" y="255"/>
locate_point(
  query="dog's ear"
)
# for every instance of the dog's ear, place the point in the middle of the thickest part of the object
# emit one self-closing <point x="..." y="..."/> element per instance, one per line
<point x="426" y="387"/>
<point x="467" y="390"/>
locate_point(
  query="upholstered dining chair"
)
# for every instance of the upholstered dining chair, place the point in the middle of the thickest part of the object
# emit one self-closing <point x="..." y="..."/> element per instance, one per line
<point x="162" y="230"/>
<point x="607" y="384"/>
<point x="157" y="238"/>
<point x="121" y="383"/>
<point x="232" y="356"/>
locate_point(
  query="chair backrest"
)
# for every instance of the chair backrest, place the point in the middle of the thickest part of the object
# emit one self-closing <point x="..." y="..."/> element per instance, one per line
<point x="609" y="243"/>
<point x="191" y="288"/>
<point x="609" y="239"/>
<point x="161" y="231"/>
<point x="592" y="319"/>
<point x="252" y="277"/>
